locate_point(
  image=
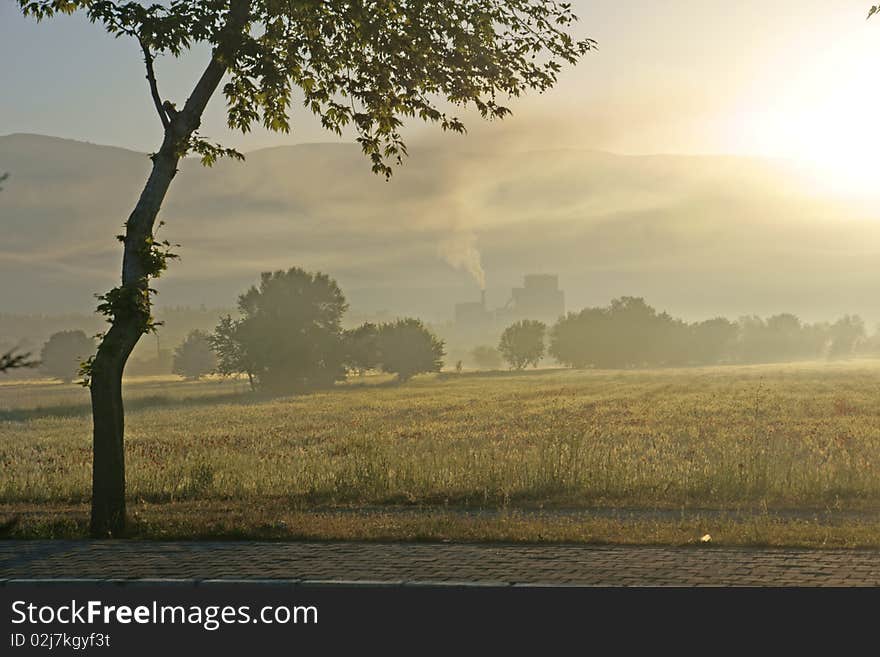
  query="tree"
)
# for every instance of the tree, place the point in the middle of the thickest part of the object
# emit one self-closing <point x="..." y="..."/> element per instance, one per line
<point x="486" y="357"/>
<point x="845" y="334"/>
<point x="63" y="354"/>
<point x="627" y="333"/>
<point x="194" y="357"/>
<point x="362" y="348"/>
<point x="578" y="339"/>
<point x="712" y="340"/>
<point x="407" y="348"/>
<point x="229" y="348"/>
<point x="289" y="337"/>
<point x="522" y="343"/>
<point x="368" y="66"/>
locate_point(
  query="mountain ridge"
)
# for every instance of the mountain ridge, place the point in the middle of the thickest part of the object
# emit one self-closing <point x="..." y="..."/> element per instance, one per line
<point x="696" y="234"/>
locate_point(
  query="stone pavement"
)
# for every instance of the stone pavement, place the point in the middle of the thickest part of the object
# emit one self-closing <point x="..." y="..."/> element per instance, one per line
<point x="424" y="563"/>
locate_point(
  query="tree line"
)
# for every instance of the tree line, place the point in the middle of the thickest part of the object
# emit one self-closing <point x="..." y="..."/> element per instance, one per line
<point x="630" y="333"/>
<point x="289" y="337"/>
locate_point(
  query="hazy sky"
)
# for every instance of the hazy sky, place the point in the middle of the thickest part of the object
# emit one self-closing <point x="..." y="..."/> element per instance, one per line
<point x="781" y="78"/>
<point x="790" y="79"/>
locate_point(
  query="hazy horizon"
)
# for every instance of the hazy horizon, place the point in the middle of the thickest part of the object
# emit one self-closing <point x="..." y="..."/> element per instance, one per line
<point x="697" y="236"/>
<point x="715" y="159"/>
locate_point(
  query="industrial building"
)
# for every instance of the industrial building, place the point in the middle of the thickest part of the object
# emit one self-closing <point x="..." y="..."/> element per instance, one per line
<point x="539" y="298"/>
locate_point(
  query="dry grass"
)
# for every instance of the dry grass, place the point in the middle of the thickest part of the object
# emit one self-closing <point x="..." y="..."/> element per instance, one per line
<point x="275" y="522"/>
<point x="763" y="437"/>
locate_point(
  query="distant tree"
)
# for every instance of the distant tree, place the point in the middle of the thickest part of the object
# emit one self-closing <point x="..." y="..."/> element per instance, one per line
<point x="626" y="333"/>
<point x="577" y="340"/>
<point x="406" y="348"/>
<point x="361" y="348"/>
<point x="781" y="337"/>
<point x="289" y="337"/>
<point x="230" y="350"/>
<point x="712" y="340"/>
<point x="194" y="357"/>
<point x="63" y="354"/>
<point x="635" y="331"/>
<point x="845" y="334"/>
<point x="486" y="357"/>
<point x="522" y="343"/>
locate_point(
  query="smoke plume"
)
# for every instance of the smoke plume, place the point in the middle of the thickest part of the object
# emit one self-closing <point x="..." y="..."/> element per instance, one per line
<point x="460" y="251"/>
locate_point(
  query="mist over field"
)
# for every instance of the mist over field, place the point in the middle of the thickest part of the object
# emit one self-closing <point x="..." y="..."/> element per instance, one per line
<point x="696" y="235"/>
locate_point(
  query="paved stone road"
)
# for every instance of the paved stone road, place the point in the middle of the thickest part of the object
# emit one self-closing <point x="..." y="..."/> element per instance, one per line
<point x="406" y="564"/>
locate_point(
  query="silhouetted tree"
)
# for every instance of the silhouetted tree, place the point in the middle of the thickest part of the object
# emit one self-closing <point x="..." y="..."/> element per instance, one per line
<point x="627" y="333"/>
<point x="712" y="340"/>
<point x="361" y="65"/>
<point x="486" y="357"/>
<point x="406" y="348"/>
<point x="844" y="335"/>
<point x="362" y="348"/>
<point x="194" y="357"/>
<point x="578" y="339"/>
<point x="230" y="350"/>
<point x="780" y="337"/>
<point x="522" y="343"/>
<point x="63" y="354"/>
<point x="290" y="333"/>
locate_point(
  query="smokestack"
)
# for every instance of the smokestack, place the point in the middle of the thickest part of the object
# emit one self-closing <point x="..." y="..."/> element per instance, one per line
<point x="483" y="298"/>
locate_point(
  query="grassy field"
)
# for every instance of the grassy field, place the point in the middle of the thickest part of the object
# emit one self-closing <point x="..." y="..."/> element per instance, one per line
<point x="776" y="454"/>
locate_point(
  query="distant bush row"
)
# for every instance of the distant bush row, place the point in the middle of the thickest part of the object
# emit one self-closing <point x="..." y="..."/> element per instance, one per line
<point x="289" y="336"/>
<point x="630" y="333"/>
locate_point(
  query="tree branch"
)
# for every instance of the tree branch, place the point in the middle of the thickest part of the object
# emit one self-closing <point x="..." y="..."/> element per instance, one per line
<point x="237" y="20"/>
<point x="154" y="89"/>
<point x="12" y="360"/>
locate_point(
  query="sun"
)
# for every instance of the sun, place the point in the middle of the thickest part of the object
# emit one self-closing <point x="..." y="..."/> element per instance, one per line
<point x="841" y="142"/>
<point x="826" y="116"/>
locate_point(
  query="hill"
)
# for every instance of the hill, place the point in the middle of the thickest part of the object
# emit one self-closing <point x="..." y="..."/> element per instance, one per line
<point x="696" y="235"/>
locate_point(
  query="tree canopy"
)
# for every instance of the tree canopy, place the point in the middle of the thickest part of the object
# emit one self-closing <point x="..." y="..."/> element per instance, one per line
<point x="630" y="333"/>
<point x="406" y="348"/>
<point x="522" y="343"/>
<point x="363" y="64"/>
<point x="64" y="353"/>
<point x="361" y="348"/>
<point x="289" y="336"/>
<point x="194" y="358"/>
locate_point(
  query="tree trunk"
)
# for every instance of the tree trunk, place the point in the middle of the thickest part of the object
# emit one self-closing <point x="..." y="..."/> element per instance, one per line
<point x="128" y="323"/>
<point x="130" y="304"/>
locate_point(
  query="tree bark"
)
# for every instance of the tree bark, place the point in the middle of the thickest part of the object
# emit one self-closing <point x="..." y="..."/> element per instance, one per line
<point x="108" y="466"/>
<point x="127" y="324"/>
